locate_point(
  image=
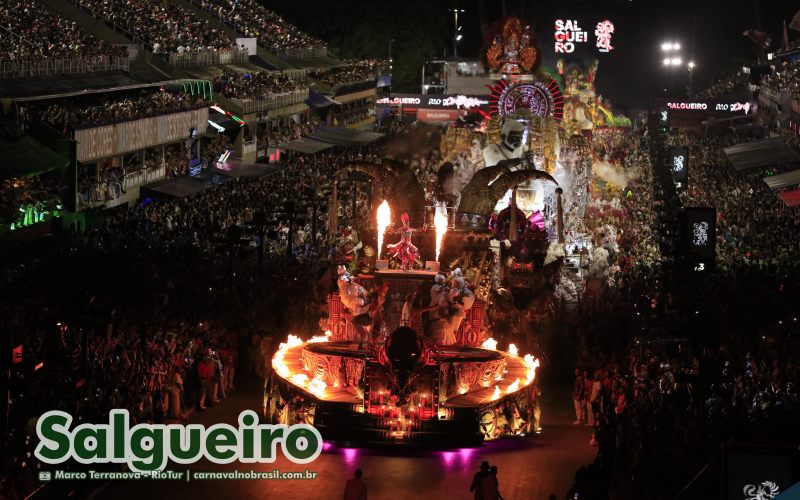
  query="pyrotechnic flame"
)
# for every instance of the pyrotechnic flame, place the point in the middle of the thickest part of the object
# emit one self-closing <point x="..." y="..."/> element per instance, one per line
<point x="277" y="361"/>
<point x="513" y="387"/>
<point x="496" y="395"/>
<point x="490" y="344"/>
<point x="384" y="219"/>
<point x="512" y="350"/>
<point x="440" y="222"/>
<point x="321" y="338"/>
<point x="300" y="379"/>
<point x="317" y="386"/>
<point x="531" y="364"/>
<point x="280" y="366"/>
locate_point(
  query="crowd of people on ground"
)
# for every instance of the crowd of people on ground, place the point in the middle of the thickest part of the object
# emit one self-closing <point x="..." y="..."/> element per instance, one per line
<point x="259" y="84"/>
<point x="148" y="324"/>
<point x="687" y="369"/>
<point x="68" y="114"/>
<point x="163" y="27"/>
<point x="252" y="19"/>
<point x="34" y="32"/>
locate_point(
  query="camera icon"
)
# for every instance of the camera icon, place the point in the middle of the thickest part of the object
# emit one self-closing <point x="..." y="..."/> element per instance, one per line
<point x="45" y="476"/>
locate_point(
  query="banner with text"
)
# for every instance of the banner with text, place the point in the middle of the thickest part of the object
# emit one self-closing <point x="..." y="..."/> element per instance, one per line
<point x="112" y="140"/>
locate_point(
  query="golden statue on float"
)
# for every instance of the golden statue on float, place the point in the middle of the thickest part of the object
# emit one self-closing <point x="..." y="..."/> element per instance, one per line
<point x="512" y="52"/>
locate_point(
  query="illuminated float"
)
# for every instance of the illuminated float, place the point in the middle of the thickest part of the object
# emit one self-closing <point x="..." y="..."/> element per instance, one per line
<point x="405" y="359"/>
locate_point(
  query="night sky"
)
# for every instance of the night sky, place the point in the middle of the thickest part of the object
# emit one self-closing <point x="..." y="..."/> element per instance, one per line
<point x="710" y="33"/>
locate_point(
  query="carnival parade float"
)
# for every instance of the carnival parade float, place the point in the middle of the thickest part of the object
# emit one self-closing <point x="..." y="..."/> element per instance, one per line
<point x="406" y="353"/>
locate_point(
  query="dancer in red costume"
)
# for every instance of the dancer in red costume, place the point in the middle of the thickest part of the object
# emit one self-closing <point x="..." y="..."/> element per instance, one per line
<point x="404" y="250"/>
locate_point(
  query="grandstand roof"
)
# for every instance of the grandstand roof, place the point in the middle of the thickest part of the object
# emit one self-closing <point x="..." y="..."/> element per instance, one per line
<point x="27" y="156"/>
<point x="761" y="153"/>
<point x="783" y="181"/>
<point x="27" y="87"/>
<point x="305" y="145"/>
<point x="342" y="136"/>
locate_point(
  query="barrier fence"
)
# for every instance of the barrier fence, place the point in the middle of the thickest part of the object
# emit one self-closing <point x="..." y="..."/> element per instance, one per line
<point x="143" y="176"/>
<point x="209" y="58"/>
<point x="53" y="67"/>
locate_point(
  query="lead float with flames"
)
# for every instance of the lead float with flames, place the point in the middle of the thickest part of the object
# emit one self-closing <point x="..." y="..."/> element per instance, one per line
<point x="408" y="353"/>
<point x="405" y="358"/>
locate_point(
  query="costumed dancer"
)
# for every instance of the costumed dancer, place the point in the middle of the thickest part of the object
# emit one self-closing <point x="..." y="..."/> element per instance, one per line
<point x="404" y="250"/>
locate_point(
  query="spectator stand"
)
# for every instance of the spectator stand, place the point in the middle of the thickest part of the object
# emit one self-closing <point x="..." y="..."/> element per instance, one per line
<point x="38" y="42"/>
<point x="171" y="31"/>
<point x="276" y="35"/>
<point x="125" y="137"/>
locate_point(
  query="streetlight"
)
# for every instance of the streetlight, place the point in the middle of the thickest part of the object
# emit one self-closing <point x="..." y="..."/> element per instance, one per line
<point x="391" y="40"/>
<point x="456" y="28"/>
<point x="672" y="49"/>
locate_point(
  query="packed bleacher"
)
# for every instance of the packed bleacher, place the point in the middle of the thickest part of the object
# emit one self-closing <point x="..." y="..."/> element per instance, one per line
<point x="31" y="31"/>
<point x="252" y="19"/>
<point x="164" y="28"/>
<point x="93" y="111"/>
<point x="255" y="85"/>
<point x="786" y="78"/>
<point x="274" y="133"/>
<point x="723" y="87"/>
<point x="354" y="71"/>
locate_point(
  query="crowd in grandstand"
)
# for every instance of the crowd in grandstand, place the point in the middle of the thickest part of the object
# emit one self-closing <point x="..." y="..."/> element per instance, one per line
<point x="354" y="71"/>
<point x="252" y="19"/>
<point x="723" y="87"/>
<point x="163" y="27"/>
<point x="353" y="113"/>
<point x="786" y="78"/>
<point x="258" y="84"/>
<point x="31" y="31"/>
<point x="70" y="114"/>
<point x="275" y="132"/>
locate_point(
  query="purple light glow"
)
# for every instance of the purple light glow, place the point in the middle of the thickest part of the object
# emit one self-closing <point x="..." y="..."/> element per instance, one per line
<point x="350" y="455"/>
<point x="449" y="458"/>
<point x="466" y="455"/>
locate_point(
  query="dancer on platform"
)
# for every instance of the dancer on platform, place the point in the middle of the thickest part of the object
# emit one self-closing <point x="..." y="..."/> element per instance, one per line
<point x="404" y="250"/>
